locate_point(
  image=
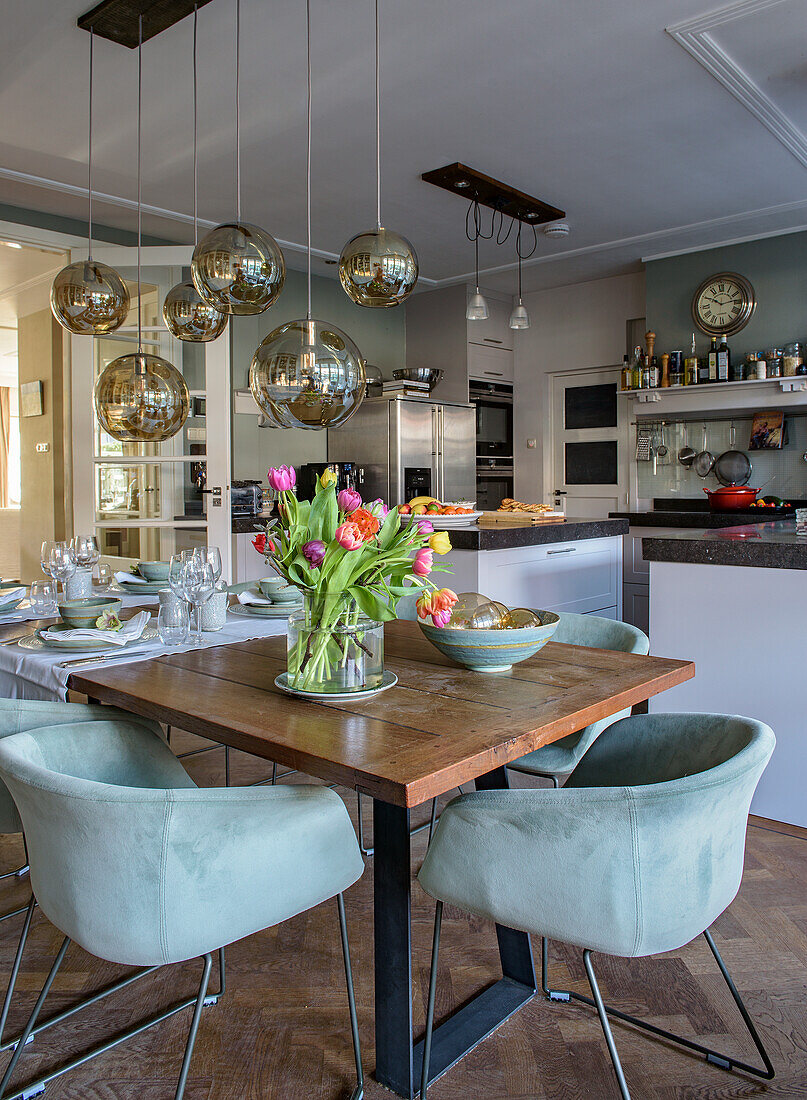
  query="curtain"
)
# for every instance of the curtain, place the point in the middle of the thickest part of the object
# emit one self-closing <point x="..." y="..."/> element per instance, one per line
<point x="5" y="438"/>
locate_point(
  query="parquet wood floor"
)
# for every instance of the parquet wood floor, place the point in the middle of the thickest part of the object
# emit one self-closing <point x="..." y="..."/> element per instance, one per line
<point x="281" y="1032"/>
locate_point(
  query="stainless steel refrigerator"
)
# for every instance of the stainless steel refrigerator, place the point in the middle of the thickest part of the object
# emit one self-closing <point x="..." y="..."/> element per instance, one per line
<point x="407" y="447"/>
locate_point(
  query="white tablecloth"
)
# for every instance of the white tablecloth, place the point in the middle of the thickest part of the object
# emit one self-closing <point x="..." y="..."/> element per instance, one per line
<point x="30" y="674"/>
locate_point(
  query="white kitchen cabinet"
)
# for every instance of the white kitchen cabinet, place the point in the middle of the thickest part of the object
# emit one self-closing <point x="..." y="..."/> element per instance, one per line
<point x="249" y="564"/>
<point x="636" y="570"/>
<point x="490" y="364"/>
<point x="636" y="605"/>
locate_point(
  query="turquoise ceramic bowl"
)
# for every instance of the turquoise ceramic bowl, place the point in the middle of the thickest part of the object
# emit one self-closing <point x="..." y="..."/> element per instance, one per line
<point x="82" y="614"/>
<point x="287" y="593"/>
<point x="153" y="571"/>
<point x="270" y="585"/>
<point x="492" y="650"/>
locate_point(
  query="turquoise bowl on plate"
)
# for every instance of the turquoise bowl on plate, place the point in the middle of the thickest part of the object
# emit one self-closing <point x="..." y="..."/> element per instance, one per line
<point x="492" y="650"/>
<point x="269" y="585"/>
<point x="153" y="571"/>
<point x="82" y="614"/>
<point x="286" y="594"/>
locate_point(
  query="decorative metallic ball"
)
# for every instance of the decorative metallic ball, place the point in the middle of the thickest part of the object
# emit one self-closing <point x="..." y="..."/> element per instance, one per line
<point x="141" y="398"/>
<point x="89" y="298"/>
<point x="189" y="317"/>
<point x="238" y="268"/>
<point x="378" y="269"/>
<point x="307" y="374"/>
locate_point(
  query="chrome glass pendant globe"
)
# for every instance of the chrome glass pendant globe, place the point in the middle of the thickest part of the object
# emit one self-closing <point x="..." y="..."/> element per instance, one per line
<point x="378" y="269"/>
<point x="238" y="268"/>
<point x="141" y="398"/>
<point x="189" y="317"/>
<point x="307" y="374"/>
<point x="89" y="298"/>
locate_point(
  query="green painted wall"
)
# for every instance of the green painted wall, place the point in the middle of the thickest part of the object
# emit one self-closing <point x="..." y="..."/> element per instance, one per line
<point x="381" y="338"/>
<point x="777" y="269"/>
<point x="74" y="226"/>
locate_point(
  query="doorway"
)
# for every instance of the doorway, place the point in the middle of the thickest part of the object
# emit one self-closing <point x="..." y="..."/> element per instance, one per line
<point x="589" y="443"/>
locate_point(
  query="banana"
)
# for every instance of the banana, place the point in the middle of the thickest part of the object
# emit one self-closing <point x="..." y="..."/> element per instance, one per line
<point x="422" y="500"/>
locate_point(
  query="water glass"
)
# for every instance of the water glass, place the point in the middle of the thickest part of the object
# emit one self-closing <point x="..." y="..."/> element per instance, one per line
<point x="173" y="624"/>
<point x="103" y="575"/>
<point x="42" y="596"/>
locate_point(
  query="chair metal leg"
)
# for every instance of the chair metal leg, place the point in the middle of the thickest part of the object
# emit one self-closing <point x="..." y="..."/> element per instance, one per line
<point x="427" y="1038"/>
<point x="38" y="1086"/>
<point x="433" y="820"/>
<point x="358" y="1091"/>
<point x="197" y="1015"/>
<point x="606" y="1027"/>
<point x="15" y="969"/>
<point x="711" y="1056"/>
<point x="366" y="850"/>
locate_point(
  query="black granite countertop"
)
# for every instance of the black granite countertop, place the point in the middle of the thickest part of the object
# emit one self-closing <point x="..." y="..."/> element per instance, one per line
<point x="772" y="545"/>
<point x="504" y="536"/>
<point x="675" y="518"/>
<point x="246" y="525"/>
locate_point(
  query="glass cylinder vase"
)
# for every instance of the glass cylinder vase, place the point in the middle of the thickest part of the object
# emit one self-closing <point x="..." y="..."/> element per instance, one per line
<point x="334" y="648"/>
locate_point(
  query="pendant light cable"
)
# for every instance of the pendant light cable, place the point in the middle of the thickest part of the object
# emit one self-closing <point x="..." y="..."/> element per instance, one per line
<point x="308" y="146"/>
<point x="195" y="133"/>
<point x="238" y="110"/>
<point x="377" y="118"/>
<point x="89" y="163"/>
<point x="139" y="175"/>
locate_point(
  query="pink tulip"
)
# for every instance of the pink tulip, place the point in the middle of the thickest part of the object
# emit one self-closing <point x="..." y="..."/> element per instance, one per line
<point x="282" y="478"/>
<point x="441" y="618"/>
<point x="348" y="500"/>
<point x="425" y="527"/>
<point x="422" y="565"/>
<point x="423" y="605"/>
<point x="377" y="508"/>
<point x="349" y="536"/>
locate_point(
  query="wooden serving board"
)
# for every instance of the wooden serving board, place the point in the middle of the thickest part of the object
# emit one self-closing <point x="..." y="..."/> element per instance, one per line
<point x="526" y="518"/>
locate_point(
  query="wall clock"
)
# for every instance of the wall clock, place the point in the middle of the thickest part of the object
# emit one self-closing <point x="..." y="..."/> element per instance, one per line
<point x="723" y="304"/>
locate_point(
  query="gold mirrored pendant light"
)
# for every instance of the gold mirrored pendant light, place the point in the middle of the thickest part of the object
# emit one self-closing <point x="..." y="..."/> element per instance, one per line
<point x="89" y="298"/>
<point x="378" y="268"/>
<point x="307" y="373"/>
<point x="238" y="267"/>
<point x="188" y="316"/>
<point x="141" y="398"/>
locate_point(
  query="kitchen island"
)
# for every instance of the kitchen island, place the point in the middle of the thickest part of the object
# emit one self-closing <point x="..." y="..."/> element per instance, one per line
<point x="734" y="601"/>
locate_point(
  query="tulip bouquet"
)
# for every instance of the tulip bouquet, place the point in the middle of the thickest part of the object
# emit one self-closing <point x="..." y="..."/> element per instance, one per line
<point x="353" y="560"/>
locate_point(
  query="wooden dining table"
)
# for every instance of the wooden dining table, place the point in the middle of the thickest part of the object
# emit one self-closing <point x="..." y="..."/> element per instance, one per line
<point x="440" y="726"/>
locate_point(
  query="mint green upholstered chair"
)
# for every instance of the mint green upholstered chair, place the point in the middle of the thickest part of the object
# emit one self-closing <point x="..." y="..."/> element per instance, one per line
<point x="562" y="757"/>
<point x="637" y="854"/>
<point x="139" y="867"/>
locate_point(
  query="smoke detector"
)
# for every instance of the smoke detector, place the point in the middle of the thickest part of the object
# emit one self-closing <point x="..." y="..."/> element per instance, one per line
<point x="557" y="229"/>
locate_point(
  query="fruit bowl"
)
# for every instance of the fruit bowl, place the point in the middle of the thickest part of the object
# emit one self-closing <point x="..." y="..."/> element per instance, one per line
<point x="492" y="650"/>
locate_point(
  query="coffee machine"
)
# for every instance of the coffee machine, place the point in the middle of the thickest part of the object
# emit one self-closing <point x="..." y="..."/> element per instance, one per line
<point x="347" y="477"/>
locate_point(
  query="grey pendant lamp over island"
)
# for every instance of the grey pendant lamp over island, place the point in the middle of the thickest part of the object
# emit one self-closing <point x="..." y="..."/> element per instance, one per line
<point x="519" y="318"/>
<point x="238" y="267"/>
<point x="379" y="268"/>
<point x="307" y="373"/>
<point x="186" y="313"/>
<point x="141" y="397"/>
<point x="89" y="298"/>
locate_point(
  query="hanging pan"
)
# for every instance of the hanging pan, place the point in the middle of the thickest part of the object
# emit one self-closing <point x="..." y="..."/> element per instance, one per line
<point x="704" y="461"/>
<point x="686" y="455"/>
<point x="733" y="467"/>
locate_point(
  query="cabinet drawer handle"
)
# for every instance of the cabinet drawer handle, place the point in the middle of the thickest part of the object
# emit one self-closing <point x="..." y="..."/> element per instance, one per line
<point x="491" y="340"/>
<point x="568" y="550"/>
<point x="494" y="373"/>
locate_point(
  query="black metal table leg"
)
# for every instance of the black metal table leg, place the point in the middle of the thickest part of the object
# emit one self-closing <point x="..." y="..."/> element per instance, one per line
<point x="398" y="1062"/>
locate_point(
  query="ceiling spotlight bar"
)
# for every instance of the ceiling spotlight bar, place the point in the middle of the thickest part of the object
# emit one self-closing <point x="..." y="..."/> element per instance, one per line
<point x="120" y="20"/>
<point x="468" y="183"/>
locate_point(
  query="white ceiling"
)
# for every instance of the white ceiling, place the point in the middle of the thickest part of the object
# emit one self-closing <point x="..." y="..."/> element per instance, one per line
<point x="585" y="104"/>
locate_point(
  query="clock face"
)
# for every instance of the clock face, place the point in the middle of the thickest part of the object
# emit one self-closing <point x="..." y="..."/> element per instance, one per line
<point x="723" y="304"/>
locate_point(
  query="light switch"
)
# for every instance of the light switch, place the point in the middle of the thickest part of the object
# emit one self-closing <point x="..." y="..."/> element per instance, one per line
<point x="42" y="448"/>
<point x="531" y="443"/>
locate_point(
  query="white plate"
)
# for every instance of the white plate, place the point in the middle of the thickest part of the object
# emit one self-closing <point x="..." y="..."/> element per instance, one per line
<point x="31" y="641"/>
<point x="149" y="588"/>
<point x="388" y="680"/>
<point x="276" y="611"/>
<point x="446" y="522"/>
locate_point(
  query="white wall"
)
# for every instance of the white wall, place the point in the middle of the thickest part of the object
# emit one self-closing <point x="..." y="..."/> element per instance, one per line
<point x="571" y="328"/>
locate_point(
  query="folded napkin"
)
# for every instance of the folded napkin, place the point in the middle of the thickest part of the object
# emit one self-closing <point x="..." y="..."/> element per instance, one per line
<point x="129" y="632"/>
<point x="8" y="595"/>
<point x="248" y="598"/>
<point x="130" y="578"/>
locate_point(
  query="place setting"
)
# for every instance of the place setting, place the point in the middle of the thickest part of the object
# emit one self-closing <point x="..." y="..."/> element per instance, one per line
<point x="269" y="598"/>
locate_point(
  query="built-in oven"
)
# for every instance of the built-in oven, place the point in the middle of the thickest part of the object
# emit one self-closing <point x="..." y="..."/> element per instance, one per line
<point x="494" y="419"/>
<point x="494" y="482"/>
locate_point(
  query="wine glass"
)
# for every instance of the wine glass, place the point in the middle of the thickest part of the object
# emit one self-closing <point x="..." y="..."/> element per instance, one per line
<point x="197" y="577"/>
<point x="176" y="575"/>
<point x="44" y="555"/>
<point x="62" y="562"/>
<point x="86" y="550"/>
<point x="213" y="555"/>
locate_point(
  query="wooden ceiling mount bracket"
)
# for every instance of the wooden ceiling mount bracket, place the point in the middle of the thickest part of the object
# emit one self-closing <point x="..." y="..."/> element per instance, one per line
<point x="117" y="20"/>
<point x="470" y="184"/>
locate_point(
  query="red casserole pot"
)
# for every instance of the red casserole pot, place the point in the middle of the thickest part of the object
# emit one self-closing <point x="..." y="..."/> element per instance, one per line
<point x="731" y="498"/>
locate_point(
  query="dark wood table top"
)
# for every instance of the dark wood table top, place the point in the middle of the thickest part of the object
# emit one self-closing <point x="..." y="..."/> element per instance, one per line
<point x="438" y="727"/>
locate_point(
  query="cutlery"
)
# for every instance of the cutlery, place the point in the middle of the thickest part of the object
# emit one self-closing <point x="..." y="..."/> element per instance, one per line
<point x="101" y="657"/>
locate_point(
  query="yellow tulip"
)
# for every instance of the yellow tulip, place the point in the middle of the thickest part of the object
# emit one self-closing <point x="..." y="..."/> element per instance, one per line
<point x="440" y="542"/>
<point x="328" y="478"/>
